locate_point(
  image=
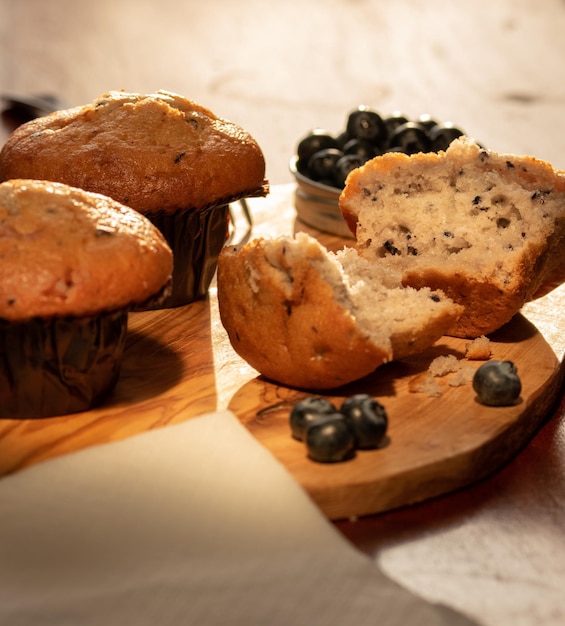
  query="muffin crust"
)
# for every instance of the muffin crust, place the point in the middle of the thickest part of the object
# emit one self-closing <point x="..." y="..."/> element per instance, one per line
<point x="155" y="152"/>
<point x="67" y="252"/>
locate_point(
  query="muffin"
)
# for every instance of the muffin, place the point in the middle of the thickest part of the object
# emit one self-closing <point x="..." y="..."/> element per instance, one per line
<point x="165" y="156"/>
<point x="308" y="318"/>
<point x="487" y="229"/>
<point x="72" y="264"/>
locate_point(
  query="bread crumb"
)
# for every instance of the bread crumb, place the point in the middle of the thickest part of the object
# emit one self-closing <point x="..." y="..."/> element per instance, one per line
<point x="443" y="365"/>
<point x="463" y="376"/>
<point x="426" y="382"/>
<point x="478" y="349"/>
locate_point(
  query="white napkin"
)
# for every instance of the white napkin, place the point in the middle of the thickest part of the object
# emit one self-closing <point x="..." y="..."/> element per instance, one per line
<point x="191" y="524"/>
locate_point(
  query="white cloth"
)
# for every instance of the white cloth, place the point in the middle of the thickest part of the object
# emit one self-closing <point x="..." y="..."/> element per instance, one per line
<point x="191" y="524"/>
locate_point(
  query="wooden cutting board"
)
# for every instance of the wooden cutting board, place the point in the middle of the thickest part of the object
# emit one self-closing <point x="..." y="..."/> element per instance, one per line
<point x="435" y="445"/>
<point x="178" y="364"/>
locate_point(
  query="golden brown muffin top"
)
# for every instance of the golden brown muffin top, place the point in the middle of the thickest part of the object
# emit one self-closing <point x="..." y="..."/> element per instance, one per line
<point x="67" y="252"/>
<point x="151" y="152"/>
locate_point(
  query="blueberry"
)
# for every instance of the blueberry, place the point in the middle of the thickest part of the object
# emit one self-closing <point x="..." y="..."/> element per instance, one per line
<point x="316" y="140"/>
<point x="441" y="135"/>
<point x="369" y="134"/>
<point x="342" y="139"/>
<point x="393" y="121"/>
<point x="368" y="420"/>
<point x="361" y="147"/>
<point x="497" y="383"/>
<point x="427" y="121"/>
<point x="330" y="440"/>
<point x="307" y="411"/>
<point x="321" y="165"/>
<point x="410" y="138"/>
<point x="346" y="164"/>
<point x="364" y="123"/>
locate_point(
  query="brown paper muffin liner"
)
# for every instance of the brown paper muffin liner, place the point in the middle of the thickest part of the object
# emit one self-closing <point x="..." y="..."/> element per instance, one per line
<point x="57" y="366"/>
<point x="196" y="238"/>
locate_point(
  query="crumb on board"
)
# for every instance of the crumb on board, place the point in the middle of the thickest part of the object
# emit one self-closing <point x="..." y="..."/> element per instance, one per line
<point x="462" y="376"/>
<point x="443" y="365"/>
<point x="461" y="371"/>
<point x="425" y="382"/>
<point x="478" y="349"/>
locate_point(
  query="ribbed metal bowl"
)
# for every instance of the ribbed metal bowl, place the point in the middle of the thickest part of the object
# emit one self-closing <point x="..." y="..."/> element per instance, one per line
<point x="317" y="205"/>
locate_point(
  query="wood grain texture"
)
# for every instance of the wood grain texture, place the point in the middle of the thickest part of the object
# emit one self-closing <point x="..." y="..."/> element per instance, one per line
<point x="167" y="372"/>
<point x="435" y="445"/>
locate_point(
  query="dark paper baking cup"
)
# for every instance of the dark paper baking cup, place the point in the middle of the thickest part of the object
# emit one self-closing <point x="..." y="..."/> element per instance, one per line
<point x="58" y="366"/>
<point x="196" y="238"/>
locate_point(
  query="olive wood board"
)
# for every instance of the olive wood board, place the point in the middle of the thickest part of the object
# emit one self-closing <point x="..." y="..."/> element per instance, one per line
<point x="435" y="445"/>
<point x="179" y="364"/>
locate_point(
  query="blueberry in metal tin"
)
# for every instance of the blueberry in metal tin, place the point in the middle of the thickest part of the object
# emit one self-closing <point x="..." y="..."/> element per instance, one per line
<point x="441" y="135"/>
<point x="393" y="121"/>
<point x="364" y="123"/>
<point x="330" y="440"/>
<point x="307" y="411"/>
<point x="321" y="165"/>
<point x="410" y="138"/>
<point x="497" y="383"/>
<point x="368" y="420"/>
<point x="342" y="138"/>
<point x="345" y="164"/>
<point x="360" y="147"/>
<point x="427" y="121"/>
<point x="316" y="140"/>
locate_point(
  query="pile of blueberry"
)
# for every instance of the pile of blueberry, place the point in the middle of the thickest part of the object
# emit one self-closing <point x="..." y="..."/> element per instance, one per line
<point x="332" y="435"/>
<point x="328" y="159"/>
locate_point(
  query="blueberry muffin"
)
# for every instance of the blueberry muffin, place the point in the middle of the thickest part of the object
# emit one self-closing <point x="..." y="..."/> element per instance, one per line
<point x="309" y="318"/>
<point x="72" y="265"/>
<point x="161" y="154"/>
<point x="487" y="229"/>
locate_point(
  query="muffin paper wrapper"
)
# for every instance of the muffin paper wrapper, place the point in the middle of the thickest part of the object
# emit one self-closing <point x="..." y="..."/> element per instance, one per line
<point x="196" y="238"/>
<point x="61" y="365"/>
<point x="261" y="191"/>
